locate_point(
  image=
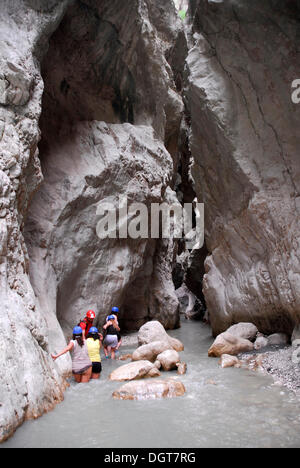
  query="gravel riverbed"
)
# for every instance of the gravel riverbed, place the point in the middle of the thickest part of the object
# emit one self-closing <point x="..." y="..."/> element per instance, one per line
<point x="280" y="363"/>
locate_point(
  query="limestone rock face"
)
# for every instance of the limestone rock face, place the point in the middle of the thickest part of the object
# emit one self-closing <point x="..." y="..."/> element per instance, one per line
<point x="66" y="68"/>
<point x="150" y="390"/>
<point x="241" y="65"/>
<point x="29" y="384"/>
<point x="71" y="268"/>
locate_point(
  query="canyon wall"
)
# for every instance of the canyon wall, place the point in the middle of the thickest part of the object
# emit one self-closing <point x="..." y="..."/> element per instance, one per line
<point x="245" y="143"/>
<point x="89" y="112"/>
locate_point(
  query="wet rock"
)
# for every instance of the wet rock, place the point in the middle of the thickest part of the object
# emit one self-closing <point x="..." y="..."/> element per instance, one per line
<point x="133" y="371"/>
<point x="226" y="343"/>
<point x="229" y="361"/>
<point x="125" y="357"/>
<point x="296" y="334"/>
<point x="260" y="343"/>
<point x="154" y="331"/>
<point x="157" y="364"/>
<point x="278" y="339"/>
<point x="248" y="331"/>
<point x="150" y="351"/>
<point x="149" y="390"/>
<point x="181" y="368"/>
<point x="254" y="362"/>
<point x="176" y="344"/>
<point x="154" y="372"/>
<point x="168" y="359"/>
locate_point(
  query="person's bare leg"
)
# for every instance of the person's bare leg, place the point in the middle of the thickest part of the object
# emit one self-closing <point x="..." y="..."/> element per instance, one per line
<point x="119" y="344"/>
<point x="95" y="376"/>
<point x="113" y="355"/>
<point x="77" y="378"/>
<point x="86" y="377"/>
<point x="108" y="350"/>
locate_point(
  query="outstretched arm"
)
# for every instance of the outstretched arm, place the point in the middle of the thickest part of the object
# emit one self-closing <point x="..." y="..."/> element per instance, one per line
<point x="65" y="351"/>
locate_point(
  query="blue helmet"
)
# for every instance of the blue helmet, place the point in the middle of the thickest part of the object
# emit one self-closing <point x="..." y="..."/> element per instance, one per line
<point x="77" y="331"/>
<point x="93" y="330"/>
<point x="111" y="317"/>
<point x="115" y="310"/>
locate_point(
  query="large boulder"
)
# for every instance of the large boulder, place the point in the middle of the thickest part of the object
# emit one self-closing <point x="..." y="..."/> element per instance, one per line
<point x="278" y="339"/>
<point x="226" y="343"/>
<point x="169" y="359"/>
<point x="296" y="333"/>
<point x="248" y="331"/>
<point x="154" y="331"/>
<point x="260" y="343"/>
<point x="134" y="371"/>
<point x="150" y="351"/>
<point x="149" y="390"/>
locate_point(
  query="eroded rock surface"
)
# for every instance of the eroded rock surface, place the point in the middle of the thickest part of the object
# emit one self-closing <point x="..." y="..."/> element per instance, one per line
<point x="29" y="384"/>
<point x="225" y="343"/>
<point x="106" y="62"/>
<point x="245" y="144"/>
<point x="154" y="331"/>
<point x="150" y="390"/>
<point x="134" y="371"/>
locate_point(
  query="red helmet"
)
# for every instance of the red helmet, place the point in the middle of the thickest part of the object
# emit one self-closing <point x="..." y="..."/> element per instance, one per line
<point x="91" y="315"/>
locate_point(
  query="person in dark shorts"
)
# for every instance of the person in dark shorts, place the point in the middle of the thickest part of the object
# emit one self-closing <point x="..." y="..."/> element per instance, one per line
<point x="115" y="311"/>
<point x="81" y="363"/>
<point x="111" y="339"/>
<point x="94" y="346"/>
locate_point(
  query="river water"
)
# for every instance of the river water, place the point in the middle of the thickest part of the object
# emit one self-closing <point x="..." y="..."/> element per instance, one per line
<point x="221" y="408"/>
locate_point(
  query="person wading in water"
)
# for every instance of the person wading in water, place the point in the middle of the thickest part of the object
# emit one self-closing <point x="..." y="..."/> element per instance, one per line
<point x="115" y="311"/>
<point x="94" y="345"/>
<point x="81" y="363"/>
<point x="87" y="322"/>
<point x="112" y="329"/>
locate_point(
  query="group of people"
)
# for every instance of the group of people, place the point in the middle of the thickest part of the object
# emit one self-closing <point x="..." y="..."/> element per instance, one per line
<point x="86" y="345"/>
